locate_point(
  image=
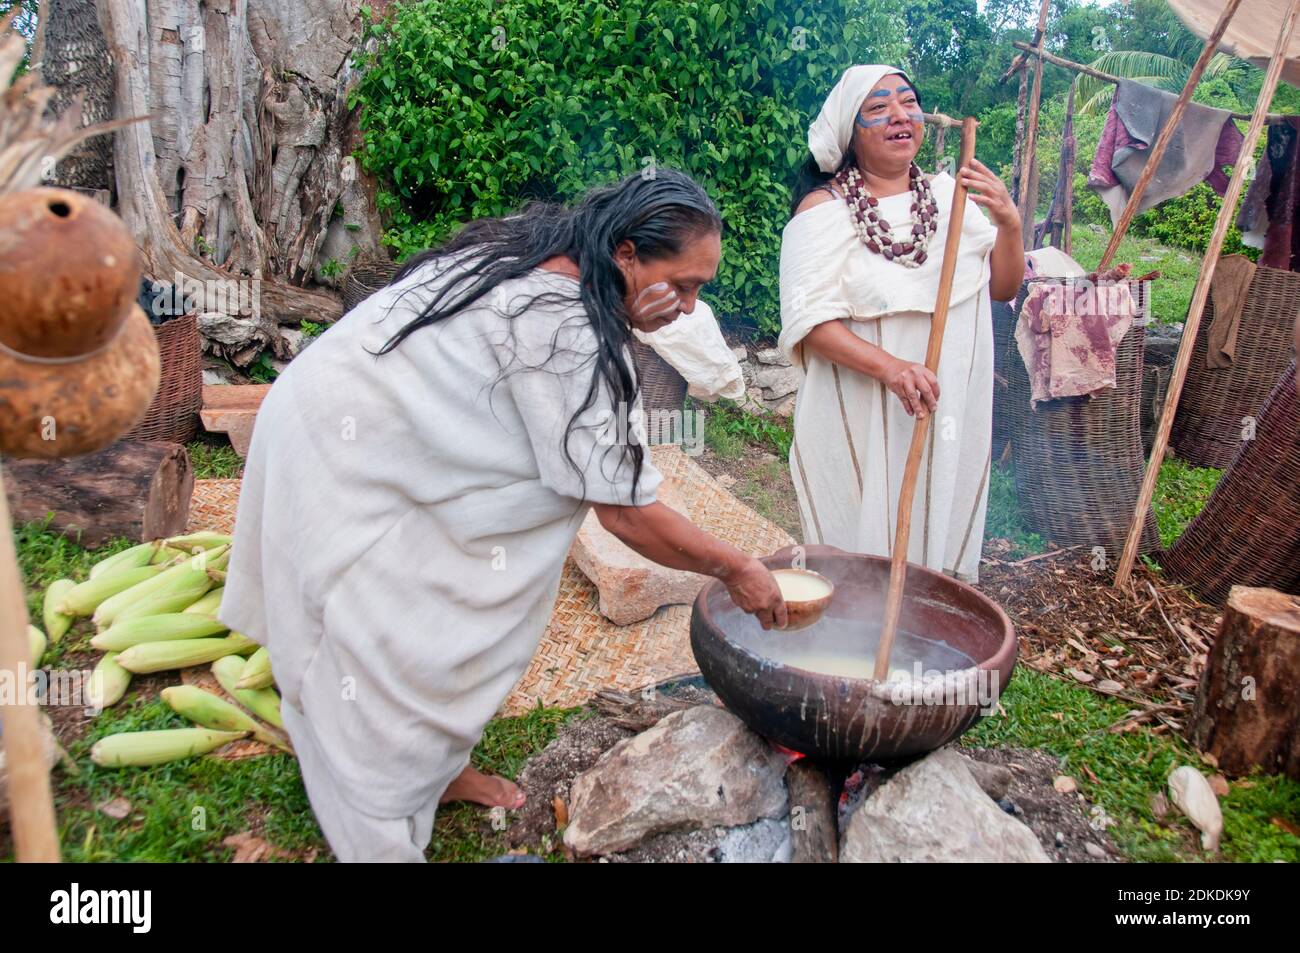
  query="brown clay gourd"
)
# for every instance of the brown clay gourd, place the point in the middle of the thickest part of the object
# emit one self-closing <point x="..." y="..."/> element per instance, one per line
<point x="79" y="360"/>
<point x="69" y="273"/>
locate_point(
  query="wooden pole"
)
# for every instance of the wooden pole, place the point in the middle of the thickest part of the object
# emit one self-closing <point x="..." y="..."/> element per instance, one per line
<point x="1028" y="194"/>
<point x="1272" y="119"/>
<point x="31" y="808"/>
<point x="898" y="558"/>
<point x="1201" y="294"/>
<point x="1167" y="134"/>
<point x="1022" y="106"/>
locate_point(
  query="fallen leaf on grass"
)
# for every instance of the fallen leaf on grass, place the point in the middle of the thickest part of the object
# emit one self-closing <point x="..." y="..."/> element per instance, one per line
<point x="1287" y="826"/>
<point x="117" y="808"/>
<point x="1219" y="785"/>
<point x="1109" y="686"/>
<point x="1065" y="784"/>
<point x="1080" y="676"/>
<point x="1159" y="805"/>
<point x="251" y="849"/>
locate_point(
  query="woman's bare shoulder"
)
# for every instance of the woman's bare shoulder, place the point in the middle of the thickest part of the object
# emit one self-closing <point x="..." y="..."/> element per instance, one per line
<point x="818" y="197"/>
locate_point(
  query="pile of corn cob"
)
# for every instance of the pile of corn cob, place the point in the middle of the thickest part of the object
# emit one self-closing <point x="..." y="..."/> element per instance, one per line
<point x="154" y="607"/>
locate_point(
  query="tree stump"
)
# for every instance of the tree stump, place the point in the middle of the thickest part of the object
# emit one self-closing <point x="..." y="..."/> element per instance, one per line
<point x="1247" y="710"/>
<point x="134" y="489"/>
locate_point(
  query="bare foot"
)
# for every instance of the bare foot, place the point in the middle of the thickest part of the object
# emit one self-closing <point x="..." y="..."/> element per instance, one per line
<point x="486" y="789"/>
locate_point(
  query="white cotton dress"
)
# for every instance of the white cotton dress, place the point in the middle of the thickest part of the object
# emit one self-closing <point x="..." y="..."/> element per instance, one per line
<point x="851" y="433"/>
<point x="400" y="536"/>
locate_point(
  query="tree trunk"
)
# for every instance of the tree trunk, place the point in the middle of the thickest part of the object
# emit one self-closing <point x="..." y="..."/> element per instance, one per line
<point x="133" y="489"/>
<point x="239" y="174"/>
<point x="1247" y="711"/>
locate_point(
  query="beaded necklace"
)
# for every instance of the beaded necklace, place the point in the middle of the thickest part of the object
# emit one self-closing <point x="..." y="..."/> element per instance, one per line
<point x="877" y="234"/>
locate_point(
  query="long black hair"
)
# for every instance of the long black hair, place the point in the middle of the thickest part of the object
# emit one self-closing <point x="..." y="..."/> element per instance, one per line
<point x="659" y="211"/>
<point x="809" y="177"/>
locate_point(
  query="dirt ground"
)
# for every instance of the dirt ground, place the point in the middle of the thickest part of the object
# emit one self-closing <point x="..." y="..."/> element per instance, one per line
<point x="760" y="480"/>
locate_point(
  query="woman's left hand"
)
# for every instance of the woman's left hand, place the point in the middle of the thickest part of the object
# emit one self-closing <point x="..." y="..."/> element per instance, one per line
<point x="987" y="190"/>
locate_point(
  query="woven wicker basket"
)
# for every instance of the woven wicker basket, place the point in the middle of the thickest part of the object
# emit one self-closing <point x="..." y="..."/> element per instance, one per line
<point x="1079" y="461"/>
<point x="1248" y="533"/>
<point x="365" y="277"/>
<point x="174" y="414"/>
<point x="1004" y="351"/>
<point x="1208" y="427"/>
<point x="662" y="388"/>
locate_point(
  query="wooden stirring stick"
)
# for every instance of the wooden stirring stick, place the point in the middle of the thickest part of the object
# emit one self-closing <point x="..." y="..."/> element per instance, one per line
<point x="898" y="559"/>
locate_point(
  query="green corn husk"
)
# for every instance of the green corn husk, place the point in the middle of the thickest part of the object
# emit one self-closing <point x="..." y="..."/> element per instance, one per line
<point x="36" y="646"/>
<point x="204" y="539"/>
<point x="108" y="609"/>
<point x="257" y="671"/>
<point x="183" y="591"/>
<point x="172" y="627"/>
<point x="208" y="604"/>
<point x="56" y="623"/>
<point x="87" y="597"/>
<point x="142" y="748"/>
<point x="204" y="708"/>
<point x="132" y="558"/>
<point x="167" y="554"/>
<point x="262" y="702"/>
<point x="108" y="682"/>
<point x="150" y="657"/>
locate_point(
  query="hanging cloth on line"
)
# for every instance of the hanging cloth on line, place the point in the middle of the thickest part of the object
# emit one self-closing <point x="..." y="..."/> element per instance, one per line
<point x="1267" y="216"/>
<point x="1206" y="140"/>
<point x="1068" y="332"/>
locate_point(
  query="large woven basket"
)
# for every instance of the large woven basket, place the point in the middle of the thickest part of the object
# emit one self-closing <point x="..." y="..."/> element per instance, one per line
<point x="663" y="389"/>
<point x="365" y="277"/>
<point x="174" y="414"/>
<point x="1208" y="428"/>
<point x="1004" y="348"/>
<point x="1079" y="460"/>
<point x="1248" y="533"/>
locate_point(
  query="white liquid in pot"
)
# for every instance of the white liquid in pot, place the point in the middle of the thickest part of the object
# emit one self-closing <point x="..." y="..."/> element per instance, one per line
<point x="797" y="587"/>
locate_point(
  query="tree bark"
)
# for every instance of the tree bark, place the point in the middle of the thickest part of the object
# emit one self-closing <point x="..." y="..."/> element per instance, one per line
<point x="133" y="489"/>
<point x="241" y="171"/>
<point x="1247" y="711"/>
<point x="813" y="830"/>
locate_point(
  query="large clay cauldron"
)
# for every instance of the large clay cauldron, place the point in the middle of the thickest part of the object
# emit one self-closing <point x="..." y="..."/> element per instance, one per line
<point x="843" y="718"/>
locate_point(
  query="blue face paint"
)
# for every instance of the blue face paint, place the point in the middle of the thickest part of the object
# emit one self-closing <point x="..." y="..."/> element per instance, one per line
<point x="869" y="123"/>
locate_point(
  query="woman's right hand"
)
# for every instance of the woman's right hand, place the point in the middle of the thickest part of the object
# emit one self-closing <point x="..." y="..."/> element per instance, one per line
<point x="915" y="385"/>
<point x="753" y="588"/>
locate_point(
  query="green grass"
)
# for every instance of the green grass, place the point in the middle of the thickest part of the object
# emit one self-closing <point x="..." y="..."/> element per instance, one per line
<point x="1181" y="491"/>
<point x="1171" y="293"/>
<point x="1130" y="767"/>
<point x="1003" y="519"/>
<point x="213" y="459"/>
<point x="727" y="429"/>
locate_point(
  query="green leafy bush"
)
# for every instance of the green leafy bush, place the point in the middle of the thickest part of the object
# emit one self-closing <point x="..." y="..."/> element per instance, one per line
<point x="468" y="109"/>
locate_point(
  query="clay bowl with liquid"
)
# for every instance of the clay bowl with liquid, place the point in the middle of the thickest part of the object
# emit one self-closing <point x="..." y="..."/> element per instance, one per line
<point x="811" y="689"/>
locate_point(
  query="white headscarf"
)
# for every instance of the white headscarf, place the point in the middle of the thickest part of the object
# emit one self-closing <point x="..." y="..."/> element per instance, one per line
<point x="832" y="131"/>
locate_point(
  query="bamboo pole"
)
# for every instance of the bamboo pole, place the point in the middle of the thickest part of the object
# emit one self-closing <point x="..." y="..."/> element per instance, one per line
<point x="1028" y="193"/>
<point x="31" y="808"/>
<point x="920" y="429"/>
<point x="1199" y="297"/>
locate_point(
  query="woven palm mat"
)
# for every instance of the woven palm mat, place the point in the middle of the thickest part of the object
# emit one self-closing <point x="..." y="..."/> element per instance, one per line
<point x="582" y="651"/>
<point x="1146" y="644"/>
<point x="212" y="506"/>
